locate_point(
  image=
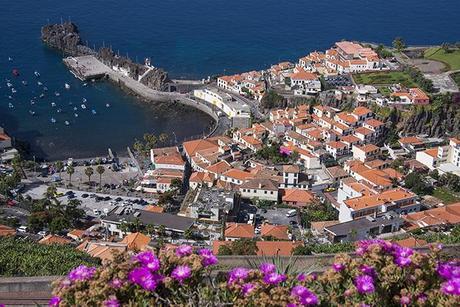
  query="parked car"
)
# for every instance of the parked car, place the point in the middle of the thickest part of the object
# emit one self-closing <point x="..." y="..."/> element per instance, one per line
<point x="22" y="229"/>
<point x="84" y="195"/>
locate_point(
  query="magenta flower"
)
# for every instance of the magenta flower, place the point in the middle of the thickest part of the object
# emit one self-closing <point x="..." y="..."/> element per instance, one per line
<point x="54" y="301"/>
<point x="149" y="260"/>
<point x="208" y="257"/>
<point x="301" y="277"/>
<point x="238" y="274"/>
<point x="448" y="270"/>
<point x="267" y="268"/>
<point x="81" y="273"/>
<point x="367" y="270"/>
<point x="403" y="252"/>
<point x="184" y="250"/>
<point x="364" y="284"/>
<point x="116" y="283"/>
<point x="112" y="303"/>
<point x="451" y="287"/>
<point x="402" y="262"/>
<point x="306" y="297"/>
<point x="138" y="275"/>
<point x="404" y="300"/>
<point x="247" y="288"/>
<point x="181" y="272"/>
<point x="151" y="283"/>
<point x="309" y="300"/>
<point x="299" y="291"/>
<point x="274" y="278"/>
<point x="338" y="267"/>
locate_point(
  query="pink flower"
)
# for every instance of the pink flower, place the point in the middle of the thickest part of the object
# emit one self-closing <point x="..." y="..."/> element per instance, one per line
<point x="149" y="260"/>
<point x="181" y="272"/>
<point x="309" y="300"/>
<point x="404" y="300"/>
<point x="208" y="257"/>
<point x="112" y="303"/>
<point x="367" y="270"/>
<point x="402" y="262"/>
<point x="139" y="275"/>
<point x="54" y="301"/>
<point x="364" y="284"/>
<point x="274" y="278"/>
<point x="184" y="250"/>
<point x="116" y="283"/>
<point x="451" y="287"/>
<point x="338" y="267"/>
<point x="247" y="288"/>
<point x="306" y="297"/>
<point x="151" y="283"/>
<point x="299" y="291"/>
<point x="238" y="274"/>
<point x="267" y="268"/>
<point x="448" y="270"/>
<point x="81" y="273"/>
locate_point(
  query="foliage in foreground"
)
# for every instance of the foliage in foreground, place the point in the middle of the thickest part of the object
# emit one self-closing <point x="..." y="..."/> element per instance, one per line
<point x="383" y="274"/>
<point x="20" y="257"/>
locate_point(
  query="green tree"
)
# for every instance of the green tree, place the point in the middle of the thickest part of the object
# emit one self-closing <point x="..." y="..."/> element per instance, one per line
<point x="89" y="171"/>
<point x="70" y="171"/>
<point x="59" y="166"/>
<point x="150" y="141"/>
<point x="243" y="247"/>
<point x="399" y="44"/>
<point x="50" y="192"/>
<point x="100" y="169"/>
<point x="163" y="138"/>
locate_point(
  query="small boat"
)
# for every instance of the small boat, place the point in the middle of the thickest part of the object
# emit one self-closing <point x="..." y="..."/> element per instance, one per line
<point x="42" y="95"/>
<point x="70" y="103"/>
<point x="83" y="106"/>
<point x="15" y="72"/>
<point x="75" y="108"/>
<point x="85" y="84"/>
<point x="93" y="111"/>
<point x="37" y="74"/>
<point x="84" y="100"/>
<point x="59" y="110"/>
<point x="32" y="101"/>
<point x="24" y="82"/>
<point x="53" y="104"/>
<point x="66" y="123"/>
<point x="10" y="59"/>
<point x="31" y="112"/>
<point x="67" y="86"/>
<point x="10" y="97"/>
<point x="45" y="88"/>
<point x="57" y="94"/>
<point x="53" y="120"/>
<point x="39" y="83"/>
<point x="13" y="90"/>
<point x="107" y="105"/>
<point x="9" y="84"/>
<point x="75" y="114"/>
<point x="10" y="105"/>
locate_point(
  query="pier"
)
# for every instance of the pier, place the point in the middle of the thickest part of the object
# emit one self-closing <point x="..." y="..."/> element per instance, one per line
<point x="88" y="67"/>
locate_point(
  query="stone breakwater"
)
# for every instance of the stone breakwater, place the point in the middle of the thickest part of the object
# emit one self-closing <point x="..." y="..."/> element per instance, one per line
<point x="145" y="82"/>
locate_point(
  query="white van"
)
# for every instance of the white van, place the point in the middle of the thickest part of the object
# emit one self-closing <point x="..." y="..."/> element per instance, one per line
<point x="291" y="213"/>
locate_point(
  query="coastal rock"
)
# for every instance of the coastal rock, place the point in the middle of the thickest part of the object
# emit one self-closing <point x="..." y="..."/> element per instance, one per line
<point x="64" y="37"/>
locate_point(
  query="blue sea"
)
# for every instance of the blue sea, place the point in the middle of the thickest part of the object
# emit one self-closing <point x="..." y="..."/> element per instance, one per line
<point x="188" y="38"/>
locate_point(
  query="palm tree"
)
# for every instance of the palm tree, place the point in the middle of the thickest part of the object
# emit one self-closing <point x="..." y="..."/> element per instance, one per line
<point x="51" y="192"/>
<point x="89" y="171"/>
<point x="163" y="138"/>
<point x="70" y="171"/>
<point x="100" y="170"/>
<point x="59" y="166"/>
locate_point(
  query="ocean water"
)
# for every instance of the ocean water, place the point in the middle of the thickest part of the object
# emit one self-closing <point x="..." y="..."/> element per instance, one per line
<point x="188" y="38"/>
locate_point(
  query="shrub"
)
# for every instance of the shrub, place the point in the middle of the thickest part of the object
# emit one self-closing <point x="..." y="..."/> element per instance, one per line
<point x="382" y="274"/>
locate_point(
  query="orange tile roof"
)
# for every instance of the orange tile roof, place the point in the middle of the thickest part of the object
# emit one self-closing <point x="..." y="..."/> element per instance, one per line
<point x="336" y="145"/>
<point x="374" y="123"/>
<point x="297" y="196"/>
<point x="77" y="233"/>
<point x="349" y="139"/>
<point x="368" y="148"/>
<point x="279" y="232"/>
<point x="410" y="140"/>
<point x="238" y="174"/>
<point x="302" y="74"/>
<point x="432" y="152"/>
<point x="201" y="177"/>
<point x="350" y="119"/>
<point x="6" y="231"/>
<point x="219" y="167"/>
<point x="363" y="131"/>
<point x="265" y="248"/>
<point x="136" y="240"/>
<point x="156" y="209"/>
<point x="412" y="242"/>
<point x="449" y="214"/>
<point x="191" y="147"/>
<point x="371" y="201"/>
<point x="361" y="111"/>
<point x="239" y="230"/>
<point x="53" y="239"/>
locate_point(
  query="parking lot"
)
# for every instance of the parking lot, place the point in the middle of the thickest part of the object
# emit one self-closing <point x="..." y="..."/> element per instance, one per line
<point x="275" y="216"/>
<point x="90" y="201"/>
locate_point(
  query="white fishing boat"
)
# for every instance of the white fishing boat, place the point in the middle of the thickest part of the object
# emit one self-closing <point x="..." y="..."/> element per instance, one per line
<point x="9" y="84"/>
<point x="107" y="105"/>
<point x="53" y="104"/>
<point x="59" y="110"/>
<point x="13" y="90"/>
<point x="75" y="108"/>
<point x="31" y="112"/>
<point x="84" y="100"/>
<point x="53" y="120"/>
<point x="94" y="112"/>
<point x="39" y="83"/>
<point x="42" y="95"/>
<point x="37" y="74"/>
<point x="10" y="97"/>
<point x="75" y="114"/>
<point x="32" y="102"/>
<point x="67" y="86"/>
<point x="10" y="105"/>
<point x="57" y="94"/>
<point x="10" y="59"/>
<point x="83" y="106"/>
<point x="66" y="123"/>
<point x="85" y="84"/>
<point x="24" y="82"/>
<point x="45" y="88"/>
